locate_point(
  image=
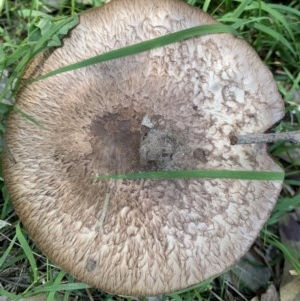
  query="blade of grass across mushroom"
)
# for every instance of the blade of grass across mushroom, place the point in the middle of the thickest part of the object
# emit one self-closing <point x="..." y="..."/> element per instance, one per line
<point x="143" y="47"/>
<point x="237" y="23"/>
<point x="202" y="174"/>
<point x="28" y="117"/>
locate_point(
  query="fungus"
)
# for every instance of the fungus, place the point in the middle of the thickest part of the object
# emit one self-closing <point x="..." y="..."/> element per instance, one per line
<point x="146" y="236"/>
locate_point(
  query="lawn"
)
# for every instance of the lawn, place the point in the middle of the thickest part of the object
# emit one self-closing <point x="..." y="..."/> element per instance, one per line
<point x="271" y="268"/>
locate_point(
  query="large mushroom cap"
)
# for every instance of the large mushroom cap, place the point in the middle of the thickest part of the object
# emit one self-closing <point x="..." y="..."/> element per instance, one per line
<point x="143" y="237"/>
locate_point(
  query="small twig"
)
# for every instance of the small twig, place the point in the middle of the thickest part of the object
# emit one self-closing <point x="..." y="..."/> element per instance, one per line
<point x="293" y="137"/>
<point x="89" y="295"/>
<point x="216" y="296"/>
<point x="235" y="290"/>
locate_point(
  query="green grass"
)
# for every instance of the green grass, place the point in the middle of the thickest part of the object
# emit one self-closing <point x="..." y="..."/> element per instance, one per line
<point x="28" y="27"/>
<point x="201" y="174"/>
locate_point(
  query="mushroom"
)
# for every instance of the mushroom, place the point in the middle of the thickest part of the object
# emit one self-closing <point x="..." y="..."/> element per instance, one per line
<point x="171" y="108"/>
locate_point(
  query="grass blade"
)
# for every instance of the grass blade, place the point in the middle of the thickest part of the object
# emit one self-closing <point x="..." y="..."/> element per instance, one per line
<point x="202" y="174"/>
<point x="286" y="9"/>
<point x="206" y="5"/>
<point x="61" y="287"/>
<point x="283" y="206"/>
<point x="291" y="255"/>
<point x="277" y="36"/>
<point x="241" y="8"/>
<point x="56" y="282"/>
<point x="276" y="15"/>
<point x="28" y="117"/>
<point x="28" y="252"/>
<point x="201" y="287"/>
<point x="239" y="23"/>
<point x="11" y="296"/>
<point x="145" y="46"/>
<point x="7" y="251"/>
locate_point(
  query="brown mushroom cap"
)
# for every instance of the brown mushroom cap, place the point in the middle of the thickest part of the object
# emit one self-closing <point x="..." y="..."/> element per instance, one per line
<point x="142" y="237"/>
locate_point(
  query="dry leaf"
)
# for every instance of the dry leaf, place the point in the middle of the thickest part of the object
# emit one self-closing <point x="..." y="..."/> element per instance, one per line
<point x="289" y="228"/>
<point x="291" y="291"/>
